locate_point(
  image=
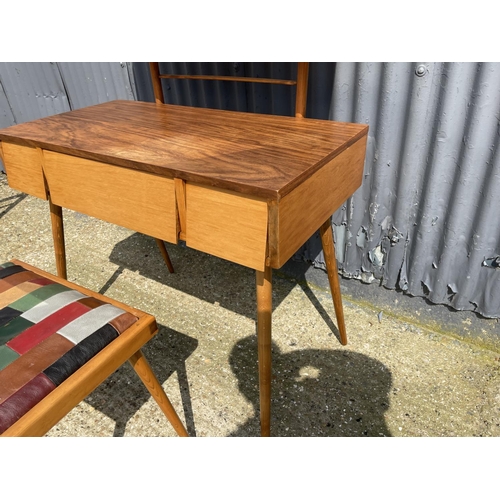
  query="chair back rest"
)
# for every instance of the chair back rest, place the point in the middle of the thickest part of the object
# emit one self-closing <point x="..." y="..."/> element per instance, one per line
<point x="300" y="83"/>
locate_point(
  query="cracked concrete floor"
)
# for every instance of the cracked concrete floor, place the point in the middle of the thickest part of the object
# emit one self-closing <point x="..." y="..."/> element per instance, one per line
<point x="396" y="377"/>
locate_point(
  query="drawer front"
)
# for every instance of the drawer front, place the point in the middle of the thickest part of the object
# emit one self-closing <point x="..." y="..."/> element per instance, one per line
<point x="226" y="224"/>
<point x="136" y="200"/>
<point x="23" y="166"/>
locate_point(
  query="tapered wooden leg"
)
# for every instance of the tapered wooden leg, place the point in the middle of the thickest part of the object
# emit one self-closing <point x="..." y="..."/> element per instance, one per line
<point x="56" y="219"/>
<point x="166" y="258"/>
<point x="264" y="315"/>
<point x="142" y="368"/>
<point x="333" y="277"/>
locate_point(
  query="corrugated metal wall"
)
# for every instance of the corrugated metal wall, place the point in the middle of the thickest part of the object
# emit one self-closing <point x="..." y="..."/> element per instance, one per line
<point x="33" y="90"/>
<point x="426" y="218"/>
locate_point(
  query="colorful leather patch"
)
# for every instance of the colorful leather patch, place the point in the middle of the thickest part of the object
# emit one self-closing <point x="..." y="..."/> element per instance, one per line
<point x="17" y="292"/>
<point x="46" y="327"/>
<point x="7" y="355"/>
<point x="16" y="279"/>
<point x="47" y="332"/>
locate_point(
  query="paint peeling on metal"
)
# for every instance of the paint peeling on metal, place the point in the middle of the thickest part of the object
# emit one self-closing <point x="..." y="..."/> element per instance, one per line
<point x="431" y="184"/>
<point x="339" y="233"/>
<point x="426" y="289"/>
<point x="377" y="256"/>
<point x="373" y="210"/>
<point x="394" y="235"/>
<point x="452" y="288"/>
<point x="431" y="188"/>
<point x="364" y="277"/>
<point x="362" y="237"/>
<point x="493" y="262"/>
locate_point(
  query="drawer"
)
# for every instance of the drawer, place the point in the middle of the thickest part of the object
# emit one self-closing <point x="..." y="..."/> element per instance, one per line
<point x="140" y="201"/>
<point x="23" y="166"/>
<point x="227" y="224"/>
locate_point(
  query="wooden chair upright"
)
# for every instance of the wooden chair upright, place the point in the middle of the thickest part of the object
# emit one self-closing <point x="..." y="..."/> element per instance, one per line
<point x="300" y="83"/>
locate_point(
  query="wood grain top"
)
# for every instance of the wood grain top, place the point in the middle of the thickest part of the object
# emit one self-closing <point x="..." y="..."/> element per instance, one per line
<point x="262" y="155"/>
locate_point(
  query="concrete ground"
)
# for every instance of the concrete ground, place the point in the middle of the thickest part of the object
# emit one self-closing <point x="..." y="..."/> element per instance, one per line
<point x="410" y="368"/>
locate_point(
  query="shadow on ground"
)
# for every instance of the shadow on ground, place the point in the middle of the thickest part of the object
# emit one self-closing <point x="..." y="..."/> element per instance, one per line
<point x="123" y="393"/>
<point x="232" y="286"/>
<point x="9" y="203"/>
<point x="316" y="392"/>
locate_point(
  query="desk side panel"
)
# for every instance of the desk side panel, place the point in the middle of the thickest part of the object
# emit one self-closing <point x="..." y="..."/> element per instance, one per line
<point x="227" y="224"/>
<point x="300" y="213"/>
<point x="23" y="165"/>
<point x="136" y="200"/>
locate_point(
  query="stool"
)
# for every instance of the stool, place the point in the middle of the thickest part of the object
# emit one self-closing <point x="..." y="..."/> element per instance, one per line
<point x="58" y="342"/>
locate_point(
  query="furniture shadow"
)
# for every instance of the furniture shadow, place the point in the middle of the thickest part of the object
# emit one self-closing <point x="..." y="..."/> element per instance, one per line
<point x="206" y="277"/>
<point x="7" y="204"/>
<point x="122" y="394"/>
<point x="315" y="392"/>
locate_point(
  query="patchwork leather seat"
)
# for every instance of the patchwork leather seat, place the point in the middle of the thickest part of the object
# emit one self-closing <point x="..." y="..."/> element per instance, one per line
<point x="59" y="341"/>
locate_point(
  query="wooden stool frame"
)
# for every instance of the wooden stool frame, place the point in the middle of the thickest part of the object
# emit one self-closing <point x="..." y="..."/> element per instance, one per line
<point x="50" y="410"/>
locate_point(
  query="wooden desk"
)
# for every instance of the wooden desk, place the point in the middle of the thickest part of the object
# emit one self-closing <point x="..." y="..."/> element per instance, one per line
<point x="245" y="187"/>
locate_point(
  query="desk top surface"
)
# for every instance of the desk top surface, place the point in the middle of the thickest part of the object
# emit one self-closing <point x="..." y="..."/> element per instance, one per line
<point x="262" y="155"/>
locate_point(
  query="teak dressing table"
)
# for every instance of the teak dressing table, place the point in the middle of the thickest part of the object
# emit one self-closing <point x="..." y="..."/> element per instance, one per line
<point x="244" y="187"/>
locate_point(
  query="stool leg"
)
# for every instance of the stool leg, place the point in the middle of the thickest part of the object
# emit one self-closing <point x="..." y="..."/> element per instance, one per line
<point x="164" y="253"/>
<point x="264" y="323"/>
<point x="142" y="368"/>
<point x="56" y="219"/>
<point x="326" y="234"/>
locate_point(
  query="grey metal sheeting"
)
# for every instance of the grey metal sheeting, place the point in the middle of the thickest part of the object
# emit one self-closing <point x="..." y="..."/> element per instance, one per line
<point x="426" y="217"/>
<point x="31" y="90"/>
